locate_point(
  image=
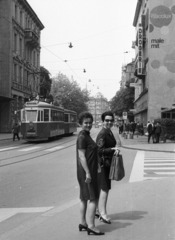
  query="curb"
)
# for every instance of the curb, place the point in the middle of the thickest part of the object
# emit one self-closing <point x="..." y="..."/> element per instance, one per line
<point x="146" y="150"/>
<point x="142" y="149"/>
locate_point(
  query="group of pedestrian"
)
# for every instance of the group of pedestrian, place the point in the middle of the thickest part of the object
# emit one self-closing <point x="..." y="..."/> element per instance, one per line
<point x="93" y="165"/>
<point x="154" y="130"/>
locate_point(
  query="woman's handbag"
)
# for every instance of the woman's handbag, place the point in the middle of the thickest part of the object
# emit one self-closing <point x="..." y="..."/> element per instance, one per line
<point x="117" y="171"/>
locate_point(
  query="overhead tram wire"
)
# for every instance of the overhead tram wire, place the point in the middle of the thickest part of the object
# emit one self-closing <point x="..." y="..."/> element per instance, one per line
<point x="62" y="60"/>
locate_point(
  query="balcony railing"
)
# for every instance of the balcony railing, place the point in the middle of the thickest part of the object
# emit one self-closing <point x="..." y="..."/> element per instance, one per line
<point x="31" y="37"/>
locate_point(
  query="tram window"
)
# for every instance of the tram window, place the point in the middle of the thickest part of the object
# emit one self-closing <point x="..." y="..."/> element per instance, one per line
<point x="42" y="117"/>
<point x="46" y="115"/>
<point x="39" y="116"/>
<point x="31" y="115"/>
<point x="168" y="115"/>
<point x="163" y="115"/>
<point x="66" y="117"/>
<point x="73" y="118"/>
<point x="23" y="116"/>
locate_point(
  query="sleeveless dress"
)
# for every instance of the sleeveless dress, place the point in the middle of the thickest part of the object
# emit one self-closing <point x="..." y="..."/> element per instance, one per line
<point x="88" y="191"/>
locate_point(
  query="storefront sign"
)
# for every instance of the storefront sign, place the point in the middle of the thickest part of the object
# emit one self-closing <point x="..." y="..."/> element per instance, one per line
<point x="140" y="51"/>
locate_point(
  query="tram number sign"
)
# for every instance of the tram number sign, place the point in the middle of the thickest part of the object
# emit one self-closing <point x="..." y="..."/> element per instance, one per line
<point x="124" y="115"/>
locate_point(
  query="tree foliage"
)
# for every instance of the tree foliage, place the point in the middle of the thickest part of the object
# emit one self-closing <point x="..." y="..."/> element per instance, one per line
<point x="45" y="83"/>
<point x="68" y="94"/>
<point x="122" y="101"/>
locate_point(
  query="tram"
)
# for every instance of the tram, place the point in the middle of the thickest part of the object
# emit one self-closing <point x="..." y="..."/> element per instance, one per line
<point x="42" y="121"/>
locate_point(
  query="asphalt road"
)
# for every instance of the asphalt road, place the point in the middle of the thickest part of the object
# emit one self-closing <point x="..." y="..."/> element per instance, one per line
<point x="40" y="179"/>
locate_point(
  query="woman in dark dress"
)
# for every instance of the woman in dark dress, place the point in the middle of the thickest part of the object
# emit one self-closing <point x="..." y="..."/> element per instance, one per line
<point x="87" y="165"/>
<point x="106" y="148"/>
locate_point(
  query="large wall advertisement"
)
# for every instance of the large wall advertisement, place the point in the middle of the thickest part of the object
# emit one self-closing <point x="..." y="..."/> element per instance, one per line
<point x="161" y="44"/>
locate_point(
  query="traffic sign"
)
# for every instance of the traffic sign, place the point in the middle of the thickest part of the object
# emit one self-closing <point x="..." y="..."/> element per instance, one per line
<point x="125" y="115"/>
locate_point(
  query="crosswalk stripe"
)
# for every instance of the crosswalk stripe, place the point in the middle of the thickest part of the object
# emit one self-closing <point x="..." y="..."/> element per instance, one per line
<point x="54" y="148"/>
<point x="159" y="168"/>
<point x="159" y="160"/>
<point x="159" y="164"/>
<point x="6" y="213"/>
<point x="29" y="149"/>
<point x="138" y="166"/>
<point x="6" y="149"/>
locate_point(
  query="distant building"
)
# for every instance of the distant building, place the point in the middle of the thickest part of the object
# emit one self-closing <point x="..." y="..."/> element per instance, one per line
<point x="155" y="59"/>
<point x="19" y="58"/>
<point x="97" y="105"/>
<point x="127" y="74"/>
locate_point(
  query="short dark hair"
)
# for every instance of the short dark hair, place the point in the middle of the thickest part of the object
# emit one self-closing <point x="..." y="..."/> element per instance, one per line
<point x="107" y="113"/>
<point x="84" y="115"/>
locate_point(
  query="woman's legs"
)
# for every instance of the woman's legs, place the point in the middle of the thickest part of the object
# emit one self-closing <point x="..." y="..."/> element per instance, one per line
<point x="103" y="202"/>
<point x="83" y="208"/>
<point x="91" y="209"/>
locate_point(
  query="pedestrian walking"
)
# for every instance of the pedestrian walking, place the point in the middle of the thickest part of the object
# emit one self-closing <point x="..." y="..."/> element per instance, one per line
<point x="158" y="131"/>
<point x="15" y="131"/>
<point x="149" y="130"/>
<point x="106" y="148"/>
<point x="133" y="127"/>
<point x="87" y="168"/>
<point x="121" y="128"/>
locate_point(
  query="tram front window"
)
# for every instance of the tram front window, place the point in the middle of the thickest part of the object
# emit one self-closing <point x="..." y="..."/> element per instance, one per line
<point x="31" y="115"/>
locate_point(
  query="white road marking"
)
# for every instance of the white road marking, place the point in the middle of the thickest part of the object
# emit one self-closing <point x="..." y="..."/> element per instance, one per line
<point x="159" y="168"/>
<point x="29" y="149"/>
<point x="54" y="148"/>
<point x="138" y="166"/>
<point x="6" y="149"/>
<point x="164" y="173"/>
<point x="158" y="164"/>
<point x="159" y="160"/>
<point x="6" y="213"/>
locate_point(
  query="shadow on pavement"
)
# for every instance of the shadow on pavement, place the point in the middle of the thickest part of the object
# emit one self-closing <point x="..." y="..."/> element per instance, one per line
<point x="130" y="215"/>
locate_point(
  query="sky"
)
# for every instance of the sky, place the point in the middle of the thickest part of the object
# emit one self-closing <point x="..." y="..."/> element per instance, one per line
<point x="101" y="32"/>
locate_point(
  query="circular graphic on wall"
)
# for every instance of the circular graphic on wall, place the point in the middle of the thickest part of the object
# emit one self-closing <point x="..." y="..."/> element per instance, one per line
<point x="171" y="83"/>
<point x="161" y="16"/>
<point x="173" y="9"/>
<point x="169" y="62"/>
<point x="155" y="64"/>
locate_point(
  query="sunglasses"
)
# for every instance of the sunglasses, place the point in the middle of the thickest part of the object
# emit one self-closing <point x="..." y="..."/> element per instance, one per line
<point x="109" y="120"/>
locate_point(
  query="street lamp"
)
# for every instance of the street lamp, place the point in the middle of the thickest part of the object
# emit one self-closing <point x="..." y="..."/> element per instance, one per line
<point x="70" y="45"/>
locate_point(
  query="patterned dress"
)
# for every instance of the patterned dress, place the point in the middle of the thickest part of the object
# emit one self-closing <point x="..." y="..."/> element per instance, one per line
<point x="88" y="191"/>
<point x="105" y="141"/>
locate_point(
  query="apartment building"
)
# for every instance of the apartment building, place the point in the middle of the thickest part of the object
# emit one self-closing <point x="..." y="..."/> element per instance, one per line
<point x="154" y="22"/>
<point x="97" y="105"/>
<point x="20" y="30"/>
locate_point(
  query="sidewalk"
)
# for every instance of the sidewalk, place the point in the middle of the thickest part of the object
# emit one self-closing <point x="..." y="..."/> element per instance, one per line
<point x="7" y="136"/>
<point x="141" y="143"/>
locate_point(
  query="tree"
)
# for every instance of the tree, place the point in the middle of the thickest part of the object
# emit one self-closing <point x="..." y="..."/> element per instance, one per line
<point x="68" y="94"/>
<point x="45" y="84"/>
<point x="122" y="101"/>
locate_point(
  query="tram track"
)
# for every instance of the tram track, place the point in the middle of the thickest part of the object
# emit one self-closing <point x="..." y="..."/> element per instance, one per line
<point x="29" y="155"/>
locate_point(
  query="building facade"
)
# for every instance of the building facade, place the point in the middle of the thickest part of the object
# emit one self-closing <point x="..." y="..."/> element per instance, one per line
<point x="96" y="106"/>
<point x="154" y="22"/>
<point x="19" y="58"/>
<point x="128" y="75"/>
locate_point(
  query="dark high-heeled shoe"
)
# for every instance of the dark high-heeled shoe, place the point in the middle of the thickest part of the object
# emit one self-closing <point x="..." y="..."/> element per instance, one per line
<point x="90" y="231"/>
<point x="103" y="219"/>
<point x="82" y="227"/>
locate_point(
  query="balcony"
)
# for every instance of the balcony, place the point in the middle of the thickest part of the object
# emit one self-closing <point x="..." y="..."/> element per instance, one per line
<point x="31" y="38"/>
<point x="21" y="88"/>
